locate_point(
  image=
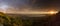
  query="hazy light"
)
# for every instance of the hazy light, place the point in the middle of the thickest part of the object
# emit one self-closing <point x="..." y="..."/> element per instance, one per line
<point x="3" y="8"/>
<point x="53" y="12"/>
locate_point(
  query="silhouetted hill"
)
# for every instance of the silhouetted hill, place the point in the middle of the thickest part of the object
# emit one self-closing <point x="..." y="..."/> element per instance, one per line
<point x="55" y="20"/>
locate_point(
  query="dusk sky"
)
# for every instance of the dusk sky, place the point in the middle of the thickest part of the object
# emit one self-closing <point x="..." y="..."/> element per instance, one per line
<point x="26" y="5"/>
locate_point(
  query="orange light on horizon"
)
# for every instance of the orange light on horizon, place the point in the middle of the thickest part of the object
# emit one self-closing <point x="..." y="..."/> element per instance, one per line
<point x="53" y="12"/>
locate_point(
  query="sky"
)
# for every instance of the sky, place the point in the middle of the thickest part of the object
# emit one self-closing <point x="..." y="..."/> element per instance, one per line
<point x="29" y="5"/>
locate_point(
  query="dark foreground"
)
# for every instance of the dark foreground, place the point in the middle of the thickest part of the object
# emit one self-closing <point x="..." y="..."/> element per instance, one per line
<point x="22" y="20"/>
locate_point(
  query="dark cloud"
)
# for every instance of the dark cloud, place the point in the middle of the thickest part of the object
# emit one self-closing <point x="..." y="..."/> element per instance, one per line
<point x="33" y="4"/>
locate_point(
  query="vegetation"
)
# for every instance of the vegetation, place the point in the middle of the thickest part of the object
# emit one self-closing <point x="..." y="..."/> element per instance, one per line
<point x="12" y="21"/>
<point x="18" y="21"/>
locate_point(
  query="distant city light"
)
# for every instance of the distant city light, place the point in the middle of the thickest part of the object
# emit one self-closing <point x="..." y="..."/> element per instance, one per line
<point x="53" y="12"/>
